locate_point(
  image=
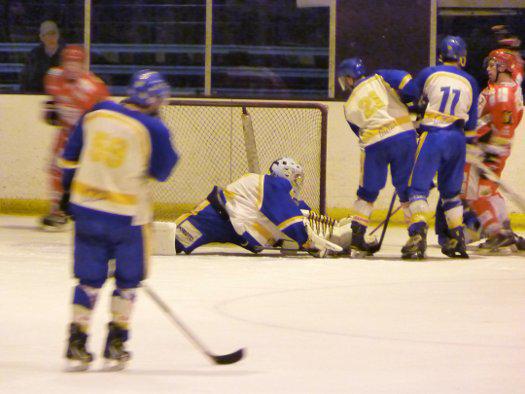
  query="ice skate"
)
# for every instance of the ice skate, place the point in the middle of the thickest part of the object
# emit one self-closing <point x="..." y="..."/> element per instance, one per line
<point x="454" y="245"/>
<point x="416" y="245"/>
<point x="55" y="222"/>
<point x="115" y="355"/>
<point x="503" y="243"/>
<point x="79" y="359"/>
<point x="360" y="244"/>
<point x="520" y="243"/>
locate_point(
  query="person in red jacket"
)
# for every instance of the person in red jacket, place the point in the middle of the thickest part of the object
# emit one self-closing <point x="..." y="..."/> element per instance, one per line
<point x="74" y="90"/>
<point x="500" y="110"/>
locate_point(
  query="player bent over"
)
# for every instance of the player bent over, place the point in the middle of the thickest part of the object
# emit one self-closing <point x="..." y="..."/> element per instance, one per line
<point x="73" y="90"/>
<point x="377" y="113"/>
<point x="253" y="212"/>
<point x="500" y="109"/>
<point x="115" y="149"/>
<point x="452" y="95"/>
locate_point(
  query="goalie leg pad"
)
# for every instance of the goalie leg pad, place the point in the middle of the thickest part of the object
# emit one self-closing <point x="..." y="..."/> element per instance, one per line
<point x="342" y="235"/>
<point x="164" y="234"/>
<point x="203" y="226"/>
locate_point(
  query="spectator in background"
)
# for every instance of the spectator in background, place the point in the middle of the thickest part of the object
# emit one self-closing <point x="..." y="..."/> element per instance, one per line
<point x="41" y="59"/>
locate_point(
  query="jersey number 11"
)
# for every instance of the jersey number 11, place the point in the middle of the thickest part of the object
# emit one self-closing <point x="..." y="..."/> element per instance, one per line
<point x="445" y="99"/>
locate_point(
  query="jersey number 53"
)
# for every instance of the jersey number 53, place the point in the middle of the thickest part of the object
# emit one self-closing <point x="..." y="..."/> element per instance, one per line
<point x="111" y="151"/>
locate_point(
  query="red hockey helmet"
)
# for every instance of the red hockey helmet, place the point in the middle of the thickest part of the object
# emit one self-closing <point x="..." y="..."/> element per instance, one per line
<point x="73" y="53"/>
<point x="505" y="60"/>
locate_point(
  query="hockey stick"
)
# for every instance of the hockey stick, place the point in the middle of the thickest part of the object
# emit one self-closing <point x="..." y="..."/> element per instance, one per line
<point x="249" y="142"/>
<point x="387" y="220"/>
<point x="489" y="174"/>
<point x="384" y="221"/>
<point x="217" y="359"/>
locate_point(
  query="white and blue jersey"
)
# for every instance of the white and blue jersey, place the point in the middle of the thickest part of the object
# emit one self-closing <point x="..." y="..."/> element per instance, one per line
<point x="111" y="154"/>
<point x="259" y="210"/>
<point x="117" y="150"/>
<point x="450" y="118"/>
<point x="377" y="108"/>
<point x="452" y="96"/>
<point x="377" y="111"/>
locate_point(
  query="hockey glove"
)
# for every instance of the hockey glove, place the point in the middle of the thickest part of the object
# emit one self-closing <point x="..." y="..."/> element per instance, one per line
<point x="51" y="113"/>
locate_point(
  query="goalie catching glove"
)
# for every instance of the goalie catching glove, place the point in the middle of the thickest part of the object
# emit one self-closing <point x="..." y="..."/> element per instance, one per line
<point x="316" y="245"/>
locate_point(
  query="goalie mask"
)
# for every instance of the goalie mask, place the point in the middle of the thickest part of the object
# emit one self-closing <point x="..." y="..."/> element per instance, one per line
<point x="287" y="168"/>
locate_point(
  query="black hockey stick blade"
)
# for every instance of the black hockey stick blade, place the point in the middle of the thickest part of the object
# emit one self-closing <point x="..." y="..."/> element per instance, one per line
<point x="225" y="359"/>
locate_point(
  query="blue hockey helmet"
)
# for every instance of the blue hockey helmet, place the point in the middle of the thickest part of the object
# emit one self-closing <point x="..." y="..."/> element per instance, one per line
<point x="148" y="87"/>
<point x="453" y="48"/>
<point x="352" y="67"/>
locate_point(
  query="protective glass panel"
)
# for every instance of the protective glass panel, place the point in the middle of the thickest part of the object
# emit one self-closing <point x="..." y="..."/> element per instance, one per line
<point x="166" y="36"/>
<point x="474" y="26"/>
<point x="269" y="49"/>
<point x="23" y="60"/>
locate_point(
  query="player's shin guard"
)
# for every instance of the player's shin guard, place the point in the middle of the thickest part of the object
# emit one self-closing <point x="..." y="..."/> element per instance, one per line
<point x="361" y="211"/>
<point x="472" y="228"/>
<point x="122" y="302"/>
<point x="121" y="306"/>
<point x="416" y="245"/>
<point x="500" y="207"/>
<point x="418" y="211"/>
<point x="84" y="300"/>
<point x="407" y="215"/>
<point x="487" y="216"/>
<point x="453" y="209"/>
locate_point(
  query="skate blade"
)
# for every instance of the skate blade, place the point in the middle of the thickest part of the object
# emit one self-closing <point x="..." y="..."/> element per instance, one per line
<point x="57" y="229"/>
<point x="413" y="256"/>
<point x="76" y="366"/>
<point x="503" y="251"/>
<point x="359" y="254"/>
<point x="114" y="365"/>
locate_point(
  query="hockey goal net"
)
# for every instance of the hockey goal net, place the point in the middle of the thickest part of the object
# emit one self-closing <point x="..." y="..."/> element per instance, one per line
<point x="220" y="141"/>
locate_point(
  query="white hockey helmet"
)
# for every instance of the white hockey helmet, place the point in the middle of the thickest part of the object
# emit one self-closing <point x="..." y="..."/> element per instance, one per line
<point x="287" y="168"/>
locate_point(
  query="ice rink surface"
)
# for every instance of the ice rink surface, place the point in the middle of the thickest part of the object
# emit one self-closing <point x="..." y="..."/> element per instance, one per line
<point x="378" y="325"/>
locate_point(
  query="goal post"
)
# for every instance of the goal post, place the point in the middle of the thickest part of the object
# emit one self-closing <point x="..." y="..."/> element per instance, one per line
<point x="221" y="140"/>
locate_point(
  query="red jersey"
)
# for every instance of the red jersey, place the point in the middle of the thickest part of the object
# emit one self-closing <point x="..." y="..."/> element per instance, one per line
<point x="74" y="97"/>
<point x="500" y="110"/>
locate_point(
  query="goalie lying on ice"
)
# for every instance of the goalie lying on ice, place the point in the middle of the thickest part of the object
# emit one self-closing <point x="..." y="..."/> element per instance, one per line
<point x="260" y="211"/>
